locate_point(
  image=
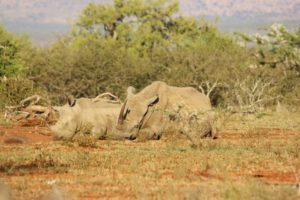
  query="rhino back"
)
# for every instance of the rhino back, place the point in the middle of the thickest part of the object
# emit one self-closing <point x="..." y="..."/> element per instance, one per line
<point x="86" y="113"/>
<point x="190" y="98"/>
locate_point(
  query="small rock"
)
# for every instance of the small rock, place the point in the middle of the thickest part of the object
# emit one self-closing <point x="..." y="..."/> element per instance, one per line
<point x="15" y="140"/>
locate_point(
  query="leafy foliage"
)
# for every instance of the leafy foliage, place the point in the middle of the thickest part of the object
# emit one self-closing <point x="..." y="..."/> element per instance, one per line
<point x="281" y="47"/>
<point x="277" y="56"/>
<point x="15" y="89"/>
<point x="14" y="50"/>
<point x="135" y="42"/>
<point x="11" y="50"/>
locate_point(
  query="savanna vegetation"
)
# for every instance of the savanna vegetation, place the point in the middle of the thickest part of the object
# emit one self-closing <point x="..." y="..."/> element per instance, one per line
<point x="113" y="46"/>
<point x="135" y="42"/>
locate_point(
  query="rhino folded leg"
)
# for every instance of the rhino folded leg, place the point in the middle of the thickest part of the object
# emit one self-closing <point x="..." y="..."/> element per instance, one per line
<point x="156" y="136"/>
<point x="207" y="130"/>
<point x="149" y="134"/>
<point x="118" y="135"/>
<point x="99" y="133"/>
<point x="63" y="134"/>
<point x="206" y="134"/>
<point x="195" y="134"/>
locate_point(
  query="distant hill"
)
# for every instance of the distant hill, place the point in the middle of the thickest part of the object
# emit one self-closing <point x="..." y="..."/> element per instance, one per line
<point x="44" y="20"/>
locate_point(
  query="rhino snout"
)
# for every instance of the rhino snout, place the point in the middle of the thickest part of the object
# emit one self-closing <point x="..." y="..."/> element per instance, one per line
<point x="61" y="132"/>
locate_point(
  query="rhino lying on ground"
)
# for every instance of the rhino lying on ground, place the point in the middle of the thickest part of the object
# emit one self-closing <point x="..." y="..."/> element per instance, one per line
<point x="87" y="116"/>
<point x="159" y="107"/>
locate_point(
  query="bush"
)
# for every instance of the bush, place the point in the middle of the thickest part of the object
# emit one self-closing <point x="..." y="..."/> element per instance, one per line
<point x="155" y="45"/>
<point x="277" y="56"/>
<point x="15" y="89"/>
<point x="12" y="49"/>
<point x="129" y="43"/>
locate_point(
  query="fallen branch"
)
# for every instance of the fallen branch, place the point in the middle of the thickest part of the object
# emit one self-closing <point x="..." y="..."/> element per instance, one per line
<point x="20" y="115"/>
<point x="36" y="109"/>
<point x="28" y="108"/>
<point x="108" y="96"/>
<point x="33" y="100"/>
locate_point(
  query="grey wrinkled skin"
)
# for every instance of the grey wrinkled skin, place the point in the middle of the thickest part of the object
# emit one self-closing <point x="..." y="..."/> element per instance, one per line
<point x="158" y="107"/>
<point x="97" y="118"/>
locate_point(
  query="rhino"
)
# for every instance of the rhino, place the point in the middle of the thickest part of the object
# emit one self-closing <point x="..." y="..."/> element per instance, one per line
<point x="160" y="107"/>
<point x="96" y="117"/>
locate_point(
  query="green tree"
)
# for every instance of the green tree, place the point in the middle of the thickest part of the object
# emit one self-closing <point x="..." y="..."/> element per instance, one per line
<point x="277" y="55"/>
<point x="137" y="23"/>
<point x="278" y="48"/>
<point x="135" y="42"/>
<point x="12" y="49"/>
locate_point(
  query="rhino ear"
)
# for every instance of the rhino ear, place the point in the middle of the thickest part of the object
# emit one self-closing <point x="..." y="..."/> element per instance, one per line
<point x="153" y="100"/>
<point x="130" y="91"/>
<point x="71" y="100"/>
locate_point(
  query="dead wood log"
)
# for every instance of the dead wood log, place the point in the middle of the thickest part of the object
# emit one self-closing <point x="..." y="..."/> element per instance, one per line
<point x="36" y="109"/>
<point x="32" y="100"/>
<point x="28" y="108"/>
<point x="107" y="96"/>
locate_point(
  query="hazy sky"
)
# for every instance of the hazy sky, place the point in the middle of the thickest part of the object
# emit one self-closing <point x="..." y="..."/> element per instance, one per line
<point x="34" y="16"/>
<point x="60" y="11"/>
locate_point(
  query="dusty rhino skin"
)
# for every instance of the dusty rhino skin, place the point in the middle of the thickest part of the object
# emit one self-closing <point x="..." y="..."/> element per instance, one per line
<point x="159" y="107"/>
<point x="86" y="116"/>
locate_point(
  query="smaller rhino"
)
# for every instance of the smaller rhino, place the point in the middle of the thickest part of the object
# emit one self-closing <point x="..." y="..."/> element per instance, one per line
<point x="87" y="116"/>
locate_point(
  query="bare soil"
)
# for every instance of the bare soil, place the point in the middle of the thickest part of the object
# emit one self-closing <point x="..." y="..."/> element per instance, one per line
<point x="22" y="136"/>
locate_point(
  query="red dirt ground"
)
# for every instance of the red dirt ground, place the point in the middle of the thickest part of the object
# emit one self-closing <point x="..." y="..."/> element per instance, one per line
<point x="272" y="176"/>
<point x="24" y="134"/>
<point x="271" y="134"/>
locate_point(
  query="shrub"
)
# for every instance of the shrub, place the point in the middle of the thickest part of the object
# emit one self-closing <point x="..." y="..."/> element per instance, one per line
<point x="15" y="89"/>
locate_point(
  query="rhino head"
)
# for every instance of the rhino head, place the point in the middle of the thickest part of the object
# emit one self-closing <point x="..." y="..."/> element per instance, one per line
<point x="133" y="114"/>
<point x="66" y="126"/>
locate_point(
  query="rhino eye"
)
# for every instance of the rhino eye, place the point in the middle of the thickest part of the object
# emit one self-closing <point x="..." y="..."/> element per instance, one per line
<point x="136" y="126"/>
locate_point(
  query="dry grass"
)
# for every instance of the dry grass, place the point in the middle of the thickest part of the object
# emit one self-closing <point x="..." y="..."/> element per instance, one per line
<point x="253" y="163"/>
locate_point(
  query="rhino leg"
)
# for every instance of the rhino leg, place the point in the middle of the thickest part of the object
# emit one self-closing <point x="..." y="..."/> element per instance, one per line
<point x="149" y="134"/>
<point x="207" y="129"/>
<point x="99" y="132"/>
<point x="63" y="132"/>
<point x="145" y="133"/>
<point x="155" y="136"/>
<point x="119" y="135"/>
<point x="198" y="130"/>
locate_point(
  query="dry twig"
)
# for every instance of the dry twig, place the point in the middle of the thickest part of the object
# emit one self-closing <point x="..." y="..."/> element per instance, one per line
<point x="207" y="88"/>
<point x="108" y="96"/>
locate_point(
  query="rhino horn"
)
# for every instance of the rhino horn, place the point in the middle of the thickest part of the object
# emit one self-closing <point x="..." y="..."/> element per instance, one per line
<point x="121" y="115"/>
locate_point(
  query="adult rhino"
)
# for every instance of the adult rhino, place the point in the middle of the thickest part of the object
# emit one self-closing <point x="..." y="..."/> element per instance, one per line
<point x="87" y="116"/>
<point x="160" y="107"/>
